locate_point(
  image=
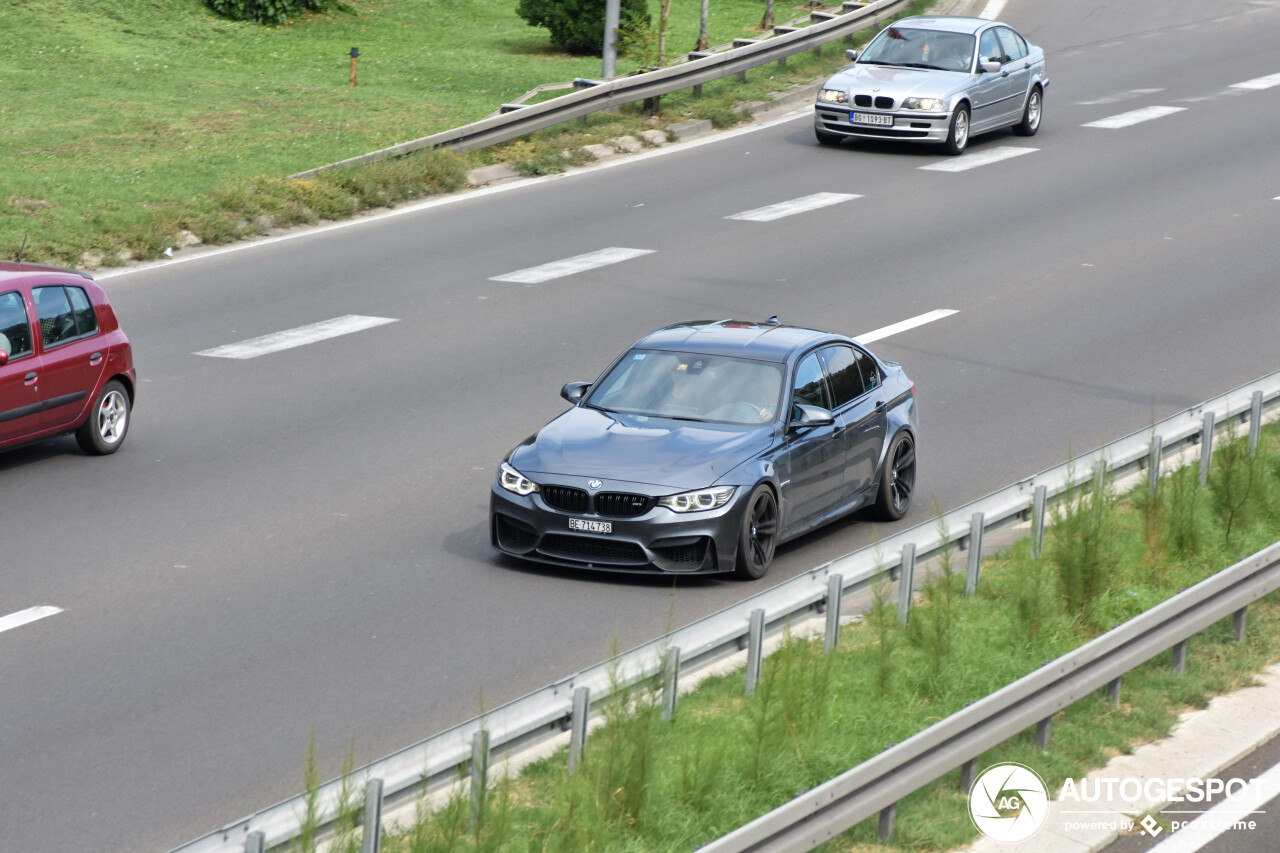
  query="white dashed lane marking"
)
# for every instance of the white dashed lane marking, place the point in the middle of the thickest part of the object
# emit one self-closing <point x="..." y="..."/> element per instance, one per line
<point x="569" y="266"/>
<point x="796" y="205"/>
<point x="1259" y="82"/>
<point x="1134" y="117"/>
<point x="300" y="336"/>
<point x="921" y="320"/>
<point x="24" y="617"/>
<point x="1122" y="96"/>
<point x="976" y="159"/>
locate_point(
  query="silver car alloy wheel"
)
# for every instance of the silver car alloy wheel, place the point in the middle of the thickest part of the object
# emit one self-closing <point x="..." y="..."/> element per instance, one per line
<point x="113" y="416"/>
<point x="962" y="129"/>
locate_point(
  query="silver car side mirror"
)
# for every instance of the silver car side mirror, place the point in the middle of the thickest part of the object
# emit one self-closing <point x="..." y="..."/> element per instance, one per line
<point x="851" y="55"/>
<point x="990" y="67"/>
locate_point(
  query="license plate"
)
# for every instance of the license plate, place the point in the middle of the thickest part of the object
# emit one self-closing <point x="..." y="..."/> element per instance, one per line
<point x="870" y="118"/>
<point x="587" y="526"/>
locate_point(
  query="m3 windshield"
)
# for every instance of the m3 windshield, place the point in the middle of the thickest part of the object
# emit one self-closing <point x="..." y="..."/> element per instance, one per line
<point x="691" y="386"/>
<point x="914" y="48"/>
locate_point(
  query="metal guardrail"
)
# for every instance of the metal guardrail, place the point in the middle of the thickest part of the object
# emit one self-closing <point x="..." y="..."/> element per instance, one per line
<point x="528" y="725"/>
<point x="875" y="786"/>
<point x="609" y="94"/>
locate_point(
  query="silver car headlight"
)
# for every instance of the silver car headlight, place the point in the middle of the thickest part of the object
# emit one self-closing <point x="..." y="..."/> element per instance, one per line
<point x="833" y="96"/>
<point x="931" y="105"/>
<point x="513" y="481"/>
<point x="699" y="501"/>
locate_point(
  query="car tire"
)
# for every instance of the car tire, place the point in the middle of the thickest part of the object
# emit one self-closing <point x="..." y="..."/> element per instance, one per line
<point x="825" y="138"/>
<point x="1031" y="113"/>
<point x="897" y="479"/>
<point x="104" y="430"/>
<point x="958" y="133"/>
<point x="758" y="536"/>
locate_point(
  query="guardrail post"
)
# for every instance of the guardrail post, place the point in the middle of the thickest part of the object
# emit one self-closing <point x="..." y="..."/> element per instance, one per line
<point x="372" y="839"/>
<point x="1237" y="623"/>
<point x="976" y="526"/>
<point x="968" y="773"/>
<point x="905" y="580"/>
<point x="254" y="842"/>
<point x="887" y="816"/>
<point x="1206" y="447"/>
<point x="835" y="592"/>
<point x="1043" y="730"/>
<point x="578" y="732"/>
<point x="1153" y="466"/>
<point x="699" y="54"/>
<point x="1255" y="423"/>
<point x="479" y="775"/>
<point x="1037" y="520"/>
<point x="755" y="651"/>
<point x="1180" y="657"/>
<point x="671" y="682"/>
<point x="1113" y="692"/>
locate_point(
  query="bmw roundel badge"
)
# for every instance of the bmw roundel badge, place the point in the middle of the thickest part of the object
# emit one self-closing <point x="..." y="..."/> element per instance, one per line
<point x="595" y="484"/>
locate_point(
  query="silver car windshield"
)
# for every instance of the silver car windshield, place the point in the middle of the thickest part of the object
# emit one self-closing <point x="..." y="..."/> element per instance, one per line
<point x="691" y="386"/>
<point x="915" y="48"/>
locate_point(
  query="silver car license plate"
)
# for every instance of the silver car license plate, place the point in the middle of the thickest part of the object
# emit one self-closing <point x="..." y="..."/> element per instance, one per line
<point x="587" y="526"/>
<point x="869" y="118"/>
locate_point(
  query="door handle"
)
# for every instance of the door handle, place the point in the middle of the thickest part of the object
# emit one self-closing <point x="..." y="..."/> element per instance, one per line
<point x="30" y="377"/>
<point x="95" y="359"/>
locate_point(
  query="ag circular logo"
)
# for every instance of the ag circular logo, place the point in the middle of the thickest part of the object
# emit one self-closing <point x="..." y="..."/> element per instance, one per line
<point x="1008" y="802"/>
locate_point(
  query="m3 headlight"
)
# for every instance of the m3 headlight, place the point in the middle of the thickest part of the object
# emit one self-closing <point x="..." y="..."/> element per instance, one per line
<point x="833" y="96"/>
<point x="699" y="501"/>
<point x="929" y="105"/>
<point x="513" y="481"/>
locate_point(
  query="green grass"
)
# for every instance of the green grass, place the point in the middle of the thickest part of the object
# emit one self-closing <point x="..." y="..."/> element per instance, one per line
<point x="648" y="785"/>
<point x="127" y="122"/>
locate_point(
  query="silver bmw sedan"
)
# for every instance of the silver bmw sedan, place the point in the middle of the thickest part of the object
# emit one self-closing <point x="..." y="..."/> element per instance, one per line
<point x="935" y="79"/>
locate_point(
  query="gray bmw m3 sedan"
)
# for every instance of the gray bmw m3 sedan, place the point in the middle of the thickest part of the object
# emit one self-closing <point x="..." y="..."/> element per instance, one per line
<point x="704" y="446"/>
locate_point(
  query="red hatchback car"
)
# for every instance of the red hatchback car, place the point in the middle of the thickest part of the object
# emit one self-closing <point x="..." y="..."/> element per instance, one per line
<point x="65" y="364"/>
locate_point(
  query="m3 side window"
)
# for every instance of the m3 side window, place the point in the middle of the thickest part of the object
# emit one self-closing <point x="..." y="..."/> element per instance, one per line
<point x="846" y="378"/>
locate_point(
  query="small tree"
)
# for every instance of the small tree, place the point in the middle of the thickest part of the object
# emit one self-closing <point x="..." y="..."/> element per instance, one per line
<point x="577" y="26"/>
<point x="703" y="44"/>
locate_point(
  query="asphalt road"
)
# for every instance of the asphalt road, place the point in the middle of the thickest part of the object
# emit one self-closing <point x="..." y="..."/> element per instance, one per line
<point x="296" y="543"/>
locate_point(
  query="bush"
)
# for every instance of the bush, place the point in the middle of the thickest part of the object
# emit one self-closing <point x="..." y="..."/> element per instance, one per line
<point x="577" y="26"/>
<point x="268" y="11"/>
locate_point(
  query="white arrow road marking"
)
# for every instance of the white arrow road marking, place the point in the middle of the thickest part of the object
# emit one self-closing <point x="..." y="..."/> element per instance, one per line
<point x="974" y="159"/>
<point x="904" y="325"/>
<point x="569" y="266"/>
<point x="1134" y="117"/>
<point x="790" y="208"/>
<point x="300" y="336"/>
<point x="23" y="617"/>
